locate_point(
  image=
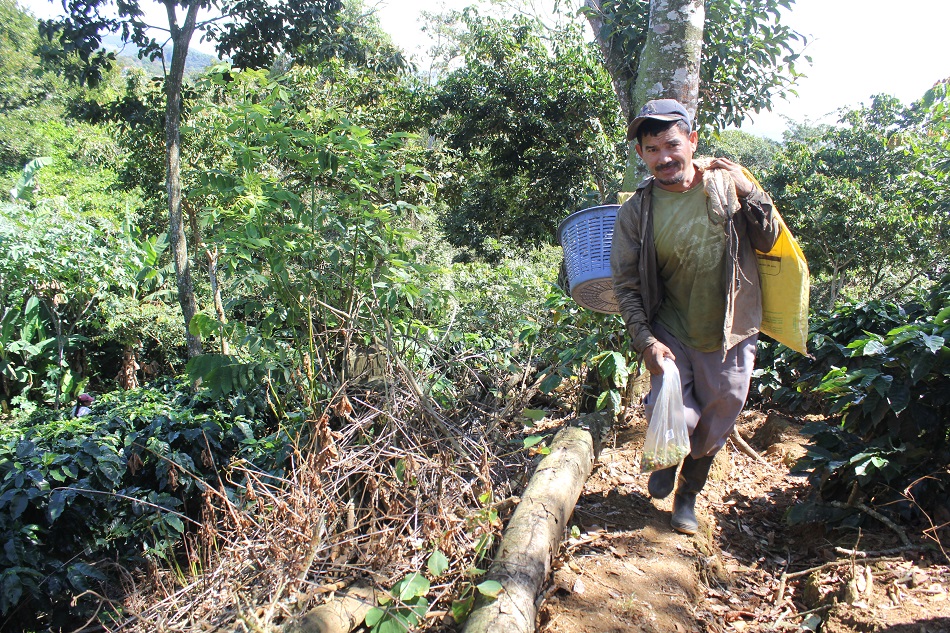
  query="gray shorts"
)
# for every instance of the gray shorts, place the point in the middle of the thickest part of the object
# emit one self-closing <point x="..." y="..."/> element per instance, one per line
<point x="714" y="390"/>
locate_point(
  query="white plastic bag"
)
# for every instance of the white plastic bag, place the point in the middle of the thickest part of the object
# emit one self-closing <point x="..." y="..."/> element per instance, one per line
<point x="667" y="440"/>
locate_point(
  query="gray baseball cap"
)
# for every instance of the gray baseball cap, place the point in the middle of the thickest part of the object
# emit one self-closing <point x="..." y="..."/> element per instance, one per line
<point x="661" y="110"/>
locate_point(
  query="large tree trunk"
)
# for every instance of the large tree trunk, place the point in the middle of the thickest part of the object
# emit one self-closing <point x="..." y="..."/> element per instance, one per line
<point x="181" y="39"/>
<point x="669" y="64"/>
<point x="618" y="67"/>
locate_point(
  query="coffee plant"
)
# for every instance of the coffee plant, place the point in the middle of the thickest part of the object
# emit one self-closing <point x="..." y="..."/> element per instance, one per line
<point x="881" y="375"/>
<point x="80" y="498"/>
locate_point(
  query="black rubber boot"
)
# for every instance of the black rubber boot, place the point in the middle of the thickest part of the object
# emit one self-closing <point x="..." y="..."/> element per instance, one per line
<point x="661" y="482"/>
<point x="692" y="479"/>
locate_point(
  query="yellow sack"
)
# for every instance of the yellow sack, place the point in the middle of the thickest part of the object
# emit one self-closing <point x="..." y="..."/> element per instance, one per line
<point x="783" y="273"/>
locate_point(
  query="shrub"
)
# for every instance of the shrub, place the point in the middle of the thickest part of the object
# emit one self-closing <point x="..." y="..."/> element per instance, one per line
<point x="121" y="485"/>
<point x="882" y="373"/>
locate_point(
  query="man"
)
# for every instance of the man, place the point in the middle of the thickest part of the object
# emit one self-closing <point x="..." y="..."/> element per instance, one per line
<point x="687" y="282"/>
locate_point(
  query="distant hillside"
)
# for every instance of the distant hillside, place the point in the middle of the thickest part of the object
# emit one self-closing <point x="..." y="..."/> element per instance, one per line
<point x="127" y="54"/>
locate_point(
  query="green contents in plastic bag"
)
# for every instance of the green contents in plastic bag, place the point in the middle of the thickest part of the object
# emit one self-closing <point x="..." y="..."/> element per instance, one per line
<point x="667" y="440"/>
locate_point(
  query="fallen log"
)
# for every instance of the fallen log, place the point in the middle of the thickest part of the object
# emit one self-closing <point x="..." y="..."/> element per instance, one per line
<point x="534" y="532"/>
<point x="343" y="613"/>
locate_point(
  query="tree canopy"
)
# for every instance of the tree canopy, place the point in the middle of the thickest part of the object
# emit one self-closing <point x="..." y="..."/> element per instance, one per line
<point x="749" y="57"/>
<point x="531" y="123"/>
<point x="866" y="218"/>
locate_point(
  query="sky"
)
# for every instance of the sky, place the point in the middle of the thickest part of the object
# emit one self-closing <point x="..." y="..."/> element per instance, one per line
<point x="859" y="48"/>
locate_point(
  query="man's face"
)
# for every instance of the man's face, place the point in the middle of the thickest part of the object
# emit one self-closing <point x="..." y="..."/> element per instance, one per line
<point x="669" y="157"/>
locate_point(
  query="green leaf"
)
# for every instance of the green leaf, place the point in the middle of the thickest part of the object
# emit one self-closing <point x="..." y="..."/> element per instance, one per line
<point x="401" y="470"/>
<point x="57" y="503"/>
<point x="204" y="326"/>
<point x="490" y="588"/>
<point x="373" y="616"/>
<point x="461" y="608"/>
<point x="613" y="366"/>
<point x="413" y="586"/>
<point x="874" y="348"/>
<point x="933" y="342"/>
<point x="175" y="522"/>
<point x="534" y="414"/>
<point x="899" y="396"/>
<point x="437" y="563"/>
<point x="532" y="440"/>
<point x="550" y="383"/>
<point x="920" y="366"/>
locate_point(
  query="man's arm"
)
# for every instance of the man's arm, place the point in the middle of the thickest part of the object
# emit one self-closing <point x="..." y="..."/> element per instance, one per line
<point x="625" y="267"/>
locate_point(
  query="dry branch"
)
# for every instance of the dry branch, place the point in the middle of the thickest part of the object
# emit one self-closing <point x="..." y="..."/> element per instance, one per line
<point x="780" y="592"/>
<point x="744" y="447"/>
<point x="534" y="533"/>
<point x="875" y="515"/>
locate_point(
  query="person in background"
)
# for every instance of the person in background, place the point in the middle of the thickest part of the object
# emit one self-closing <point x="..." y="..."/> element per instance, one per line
<point x="687" y="283"/>
<point x="82" y="405"/>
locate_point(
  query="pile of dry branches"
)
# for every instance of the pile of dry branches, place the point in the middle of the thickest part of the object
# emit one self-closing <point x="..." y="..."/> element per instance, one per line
<point x="383" y="479"/>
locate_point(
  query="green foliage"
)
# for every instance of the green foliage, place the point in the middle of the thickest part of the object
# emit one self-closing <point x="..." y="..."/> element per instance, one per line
<point x="62" y="265"/>
<point x="21" y="81"/>
<point x="587" y="346"/>
<point x="883" y="370"/>
<point x="867" y="224"/>
<point x="75" y="291"/>
<point x="532" y="130"/>
<point x="307" y="211"/>
<point x="118" y="486"/>
<point x="496" y="300"/>
<point x="251" y="33"/>
<point x="749" y="56"/>
<point x="402" y="608"/>
<point x="755" y="153"/>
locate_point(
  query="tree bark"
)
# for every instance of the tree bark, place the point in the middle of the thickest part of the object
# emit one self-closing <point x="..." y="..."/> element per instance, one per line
<point x="216" y="294"/>
<point x="535" y="530"/>
<point x="181" y="39"/>
<point x="340" y="615"/>
<point x="617" y="68"/>
<point x="669" y="64"/>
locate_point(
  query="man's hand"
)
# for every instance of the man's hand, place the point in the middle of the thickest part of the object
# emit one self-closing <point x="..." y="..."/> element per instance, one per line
<point x="744" y="186"/>
<point x="653" y="356"/>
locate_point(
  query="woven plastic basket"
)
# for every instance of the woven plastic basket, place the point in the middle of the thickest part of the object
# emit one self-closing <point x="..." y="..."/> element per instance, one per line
<point x="585" y="237"/>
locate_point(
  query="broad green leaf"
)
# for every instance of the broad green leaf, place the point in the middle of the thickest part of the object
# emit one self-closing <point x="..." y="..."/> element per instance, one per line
<point x="920" y="366"/>
<point x="933" y="342"/>
<point x="373" y="616"/>
<point x="550" y="383"/>
<point x="490" y="588"/>
<point x="532" y="440"/>
<point x="899" y="396"/>
<point x="413" y="585"/>
<point x="175" y="522"/>
<point x="534" y="414"/>
<point x="437" y="563"/>
<point x="874" y="348"/>
<point x="943" y="317"/>
<point x="57" y="503"/>
<point x="461" y="608"/>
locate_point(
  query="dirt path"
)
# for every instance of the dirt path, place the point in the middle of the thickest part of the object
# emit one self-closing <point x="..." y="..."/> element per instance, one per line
<point x="626" y="570"/>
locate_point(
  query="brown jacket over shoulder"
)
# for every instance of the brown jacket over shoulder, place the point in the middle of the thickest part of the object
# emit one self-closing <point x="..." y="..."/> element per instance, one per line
<point x="637" y="282"/>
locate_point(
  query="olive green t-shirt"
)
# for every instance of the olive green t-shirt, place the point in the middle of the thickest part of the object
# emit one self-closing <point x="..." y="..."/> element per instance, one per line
<point x="689" y="252"/>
